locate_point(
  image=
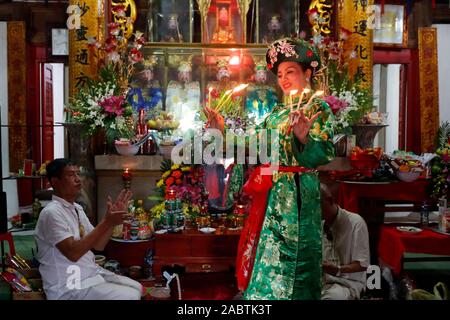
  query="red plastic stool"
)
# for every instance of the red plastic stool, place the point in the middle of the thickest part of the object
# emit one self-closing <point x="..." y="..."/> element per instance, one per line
<point x="12" y="251"/>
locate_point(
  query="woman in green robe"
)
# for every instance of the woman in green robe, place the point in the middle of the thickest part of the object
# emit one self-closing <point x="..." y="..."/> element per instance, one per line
<point x="288" y="255"/>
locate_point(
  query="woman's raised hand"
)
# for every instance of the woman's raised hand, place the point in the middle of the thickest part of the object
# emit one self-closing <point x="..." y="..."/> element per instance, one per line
<point x="215" y="119"/>
<point x="301" y="124"/>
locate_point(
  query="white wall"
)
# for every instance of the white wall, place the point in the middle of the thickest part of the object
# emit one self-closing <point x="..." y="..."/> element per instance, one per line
<point x="58" y="109"/>
<point x="9" y="186"/>
<point x="443" y="32"/>
<point x="392" y="107"/>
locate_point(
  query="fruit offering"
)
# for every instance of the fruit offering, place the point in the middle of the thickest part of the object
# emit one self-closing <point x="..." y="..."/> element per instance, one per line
<point x="163" y="121"/>
<point x="406" y="162"/>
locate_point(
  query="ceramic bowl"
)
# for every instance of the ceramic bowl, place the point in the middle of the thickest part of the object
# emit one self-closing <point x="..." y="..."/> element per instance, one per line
<point x="126" y="149"/>
<point x="408" y="176"/>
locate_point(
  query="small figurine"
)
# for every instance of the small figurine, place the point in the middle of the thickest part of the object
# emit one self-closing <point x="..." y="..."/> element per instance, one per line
<point x="224" y="32"/>
<point x="274" y="27"/>
<point x="173" y="30"/>
<point x="261" y="97"/>
<point x="145" y="92"/>
<point x="183" y="95"/>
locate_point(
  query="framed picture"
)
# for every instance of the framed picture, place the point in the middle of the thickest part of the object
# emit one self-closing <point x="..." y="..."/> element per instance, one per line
<point x="60" y="41"/>
<point x="391" y="27"/>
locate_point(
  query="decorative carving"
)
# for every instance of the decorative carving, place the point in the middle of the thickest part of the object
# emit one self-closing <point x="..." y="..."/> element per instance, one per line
<point x="120" y="16"/>
<point x="429" y="87"/>
<point x="325" y="10"/>
<point x="17" y="98"/>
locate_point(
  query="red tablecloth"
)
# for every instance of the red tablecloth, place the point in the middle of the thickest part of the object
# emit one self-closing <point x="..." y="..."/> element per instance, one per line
<point x="393" y="243"/>
<point x="350" y="193"/>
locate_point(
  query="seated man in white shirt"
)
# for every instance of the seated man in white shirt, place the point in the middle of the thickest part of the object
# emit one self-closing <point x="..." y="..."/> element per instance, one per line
<point x="65" y="238"/>
<point x="346" y="253"/>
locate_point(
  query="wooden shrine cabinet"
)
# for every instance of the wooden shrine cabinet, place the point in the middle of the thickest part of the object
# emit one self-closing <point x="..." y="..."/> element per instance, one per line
<point x="195" y="251"/>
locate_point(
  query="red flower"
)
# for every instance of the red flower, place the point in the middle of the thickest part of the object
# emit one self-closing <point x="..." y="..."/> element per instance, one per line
<point x="269" y="66"/>
<point x="177" y="174"/>
<point x="170" y="181"/>
<point x="309" y="53"/>
<point x="135" y="56"/>
<point x="178" y="181"/>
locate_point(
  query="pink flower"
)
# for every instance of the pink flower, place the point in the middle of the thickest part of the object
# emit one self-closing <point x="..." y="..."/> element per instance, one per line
<point x="113" y="105"/>
<point x="335" y="103"/>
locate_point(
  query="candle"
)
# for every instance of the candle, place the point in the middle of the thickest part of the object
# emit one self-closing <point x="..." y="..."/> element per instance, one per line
<point x="291" y="94"/>
<point x="306" y="90"/>
<point x="209" y="97"/>
<point x="126" y="175"/>
<point x="316" y="94"/>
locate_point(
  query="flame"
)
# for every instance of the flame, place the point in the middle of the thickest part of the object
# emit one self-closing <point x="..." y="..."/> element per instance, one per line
<point x="240" y="87"/>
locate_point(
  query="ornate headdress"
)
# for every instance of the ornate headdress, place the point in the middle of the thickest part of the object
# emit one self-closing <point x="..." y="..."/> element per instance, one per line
<point x="150" y="62"/>
<point x="288" y="49"/>
<point x="222" y="64"/>
<point x="260" y="65"/>
<point x="185" y="64"/>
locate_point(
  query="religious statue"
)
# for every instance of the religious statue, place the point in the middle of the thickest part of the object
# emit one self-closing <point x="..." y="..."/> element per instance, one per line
<point x="173" y="30"/>
<point x="224" y="32"/>
<point x="223" y="77"/>
<point x="183" y="95"/>
<point x="145" y="92"/>
<point x="261" y="97"/>
<point x="274" y="29"/>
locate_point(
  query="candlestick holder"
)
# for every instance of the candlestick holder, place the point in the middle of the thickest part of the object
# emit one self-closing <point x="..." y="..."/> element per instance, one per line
<point x="126" y="178"/>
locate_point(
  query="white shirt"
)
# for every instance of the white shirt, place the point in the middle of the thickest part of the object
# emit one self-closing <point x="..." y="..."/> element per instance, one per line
<point x="57" y="222"/>
<point x="350" y="243"/>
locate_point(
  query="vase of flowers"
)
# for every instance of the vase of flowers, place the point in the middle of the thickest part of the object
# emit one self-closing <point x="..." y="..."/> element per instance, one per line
<point x="102" y="105"/>
<point x="349" y="100"/>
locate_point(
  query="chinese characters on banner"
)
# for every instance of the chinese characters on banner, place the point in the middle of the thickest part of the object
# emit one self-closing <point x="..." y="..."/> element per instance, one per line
<point x="83" y="62"/>
<point x="17" y="104"/>
<point x="354" y="15"/>
<point x="429" y="91"/>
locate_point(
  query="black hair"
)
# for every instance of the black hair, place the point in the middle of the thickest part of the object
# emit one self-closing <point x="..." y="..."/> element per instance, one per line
<point x="306" y="66"/>
<point x="56" y="168"/>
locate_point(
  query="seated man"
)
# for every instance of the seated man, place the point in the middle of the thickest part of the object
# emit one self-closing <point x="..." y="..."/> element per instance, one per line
<point x="346" y="254"/>
<point x="65" y="238"/>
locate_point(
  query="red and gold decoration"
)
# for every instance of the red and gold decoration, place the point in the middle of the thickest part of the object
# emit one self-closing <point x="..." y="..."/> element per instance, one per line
<point x="429" y="87"/>
<point x="324" y="11"/>
<point x="354" y="17"/>
<point x="17" y="109"/>
<point x="83" y="63"/>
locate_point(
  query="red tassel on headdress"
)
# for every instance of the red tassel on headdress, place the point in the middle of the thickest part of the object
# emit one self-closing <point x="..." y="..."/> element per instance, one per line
<point x="382" y="6"/>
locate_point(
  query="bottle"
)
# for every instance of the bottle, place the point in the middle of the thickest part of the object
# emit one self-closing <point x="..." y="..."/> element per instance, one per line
<point x="142" y="130"/>
<point x="424" y="214"/>
<point x="151" y="146"/>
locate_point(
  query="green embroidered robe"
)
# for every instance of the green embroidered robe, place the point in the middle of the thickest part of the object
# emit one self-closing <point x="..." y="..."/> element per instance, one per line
<point x="288" y="262"/>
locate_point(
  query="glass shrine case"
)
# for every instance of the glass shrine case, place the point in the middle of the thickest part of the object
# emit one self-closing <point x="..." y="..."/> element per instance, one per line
<point x="200" y="67"/>
<point x="220" y="21"/>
